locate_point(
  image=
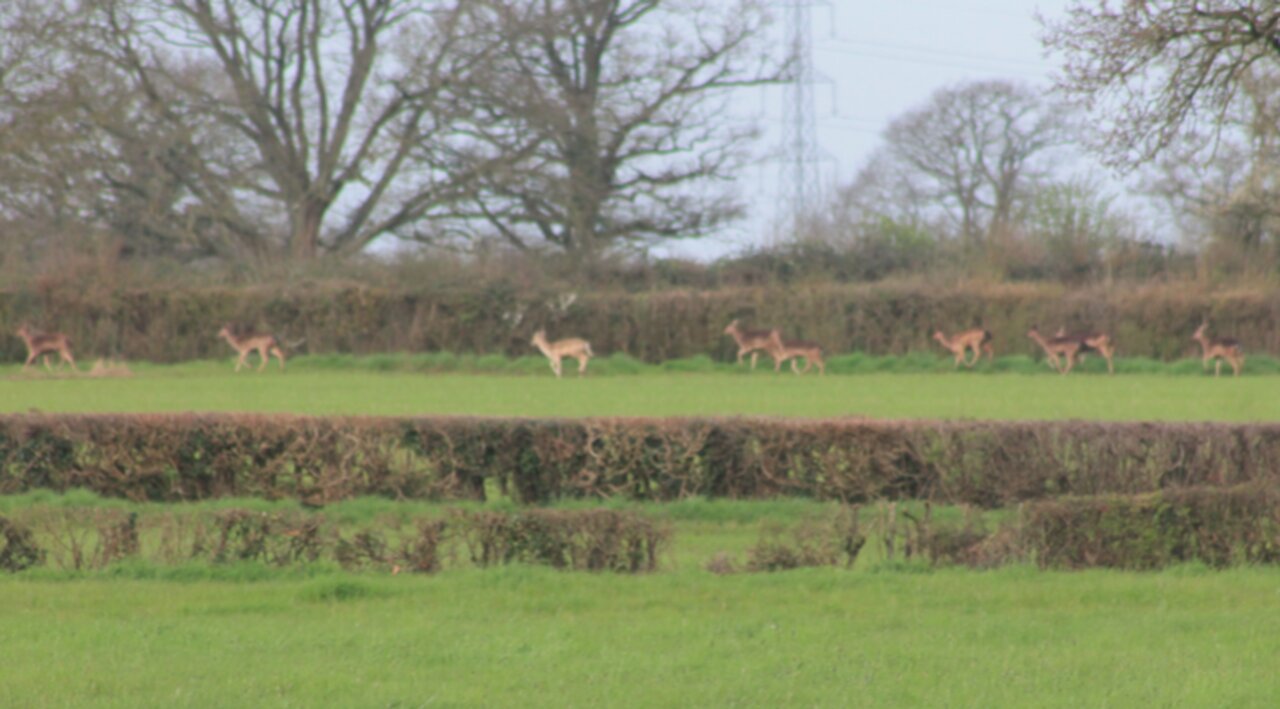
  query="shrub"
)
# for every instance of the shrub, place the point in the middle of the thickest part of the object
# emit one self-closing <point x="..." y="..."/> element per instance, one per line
<point x="813" y="543"/>
<point x="18" y="550"/>
<point x="1216" y="527"/>
<point x="587" y="540"/>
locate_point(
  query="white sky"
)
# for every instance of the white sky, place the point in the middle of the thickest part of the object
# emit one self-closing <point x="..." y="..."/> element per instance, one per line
<point x="875" y="60"/>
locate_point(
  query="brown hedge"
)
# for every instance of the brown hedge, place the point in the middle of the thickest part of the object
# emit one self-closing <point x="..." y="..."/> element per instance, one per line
<point x="990" y="464"/>
<point x="172" y="325"/>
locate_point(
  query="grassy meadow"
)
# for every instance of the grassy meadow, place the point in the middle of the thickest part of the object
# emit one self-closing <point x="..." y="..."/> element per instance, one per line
<point x="884" y="633"/>
<point x="534" y="637"/>
<point x="893" y="388"/>
<point x="881" y="634"/>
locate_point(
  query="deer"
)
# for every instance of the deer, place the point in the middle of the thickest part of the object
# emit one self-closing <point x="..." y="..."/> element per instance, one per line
<point x="42" y="343"/>
<point x="265" y="345"/>
<point x="574" y="347"/>
<point x="749" y="341"/>
<point x="977" y="340"/>
<point x="1058" y="346"/>
<point x="1218" y="349"/>
<point x="1099" y="342"/>
<point x="782" y="350"/>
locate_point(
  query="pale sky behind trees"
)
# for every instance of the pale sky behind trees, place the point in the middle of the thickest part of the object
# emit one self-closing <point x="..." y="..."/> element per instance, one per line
<point x="875" y="61"/>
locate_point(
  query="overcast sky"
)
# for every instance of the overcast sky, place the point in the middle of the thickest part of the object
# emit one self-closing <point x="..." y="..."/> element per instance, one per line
<point x="874" y="61"/>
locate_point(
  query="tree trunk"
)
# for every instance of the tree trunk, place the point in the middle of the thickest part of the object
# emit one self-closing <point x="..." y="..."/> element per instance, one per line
<point x="304" y="242"/>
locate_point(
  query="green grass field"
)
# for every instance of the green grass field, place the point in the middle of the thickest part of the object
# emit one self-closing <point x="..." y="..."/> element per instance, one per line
<point x="321" y="390"/>
<point x="533" y="637"/>
<point x="881" y="634"/>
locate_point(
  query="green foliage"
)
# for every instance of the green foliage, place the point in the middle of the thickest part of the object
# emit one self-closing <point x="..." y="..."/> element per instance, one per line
<point x="94" y="538"/>
<point x="1211" y="526"/>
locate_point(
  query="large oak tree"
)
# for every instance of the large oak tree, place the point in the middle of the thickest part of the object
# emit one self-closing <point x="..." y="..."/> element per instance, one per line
<point x="618" y="113"/>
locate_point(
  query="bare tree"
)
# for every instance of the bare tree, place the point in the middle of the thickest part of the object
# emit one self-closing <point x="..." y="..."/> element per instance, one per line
<point x="258" y="128"/>
<point x="617" y="111"/>
<point x="1154" y="71"/>
<point x="972" y="152"/>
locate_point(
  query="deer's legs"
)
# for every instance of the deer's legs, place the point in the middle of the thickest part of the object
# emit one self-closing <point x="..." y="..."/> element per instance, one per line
<point x="582" y="363"/>
<point x="1071" y="362"/>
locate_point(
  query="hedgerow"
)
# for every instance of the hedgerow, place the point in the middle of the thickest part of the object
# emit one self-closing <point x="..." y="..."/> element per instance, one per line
<point x="83" y="539"/>
<point x="167" y="325"/>
<point x="320" y="460"/>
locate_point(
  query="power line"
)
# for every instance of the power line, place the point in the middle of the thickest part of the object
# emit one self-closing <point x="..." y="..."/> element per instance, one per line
<point x="931" y="62"/>
<point x="945" y="53"/>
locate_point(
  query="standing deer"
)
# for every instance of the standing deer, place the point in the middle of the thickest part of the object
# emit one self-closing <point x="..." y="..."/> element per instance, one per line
<point x="1090" y="341"/>
<point x="1218" y="349"/>
<point x="1058" y="346"/>
<point x="782" y="350"/>
<point x="574" y="347"/>
<point x="42" y="343"/>
<point x="266" y="345"/>
<point x="749" y="341"/>
<point x="977" y="340"/>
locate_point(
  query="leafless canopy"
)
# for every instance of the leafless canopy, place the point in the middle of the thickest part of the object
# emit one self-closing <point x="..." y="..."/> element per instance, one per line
<point x="249" y="128"/>
<point x="616" y="110"/>
<point x="971" y="153"/>
<point x="1157" y="70"/>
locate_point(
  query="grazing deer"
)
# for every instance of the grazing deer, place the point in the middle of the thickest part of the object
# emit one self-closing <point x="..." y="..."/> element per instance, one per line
<point x="1099" y="342"/>
<point x="1218" y="349"/>
<point x="41" y="343"/>
<point x="1055" y="347"/>
<point x="574" y="347"/>
<point x="978" y="340"/>
<point x="749" y="341"/>
<point x="266" y="345"/>
<point x="782" y="350"/>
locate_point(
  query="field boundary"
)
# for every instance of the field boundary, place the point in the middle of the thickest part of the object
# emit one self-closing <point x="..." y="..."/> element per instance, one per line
<point x="170" y="457"/>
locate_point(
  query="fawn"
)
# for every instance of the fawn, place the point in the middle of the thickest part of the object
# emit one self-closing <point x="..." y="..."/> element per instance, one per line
<point x="1218" y="349"/>
<point x="266" y="345"/>
<point x="782" y="350"/>
<point x="1099" y="342"/>
<point x="1064" y="346"/>
<point x="39" y="343"/>
<point x="749" y="341"/>
<point x="574" y="347"/>
<point x="978" y="340"/>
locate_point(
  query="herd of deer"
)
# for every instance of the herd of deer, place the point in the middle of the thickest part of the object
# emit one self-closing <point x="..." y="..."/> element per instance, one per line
<point x="1062" y="350"/>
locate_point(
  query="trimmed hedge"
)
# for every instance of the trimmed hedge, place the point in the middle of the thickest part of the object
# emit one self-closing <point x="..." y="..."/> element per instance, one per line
<point x="989" y="464"/>
<point x="79" y="539"/>
<point x="174" y="325"/>
<point x="1214" y="526"/>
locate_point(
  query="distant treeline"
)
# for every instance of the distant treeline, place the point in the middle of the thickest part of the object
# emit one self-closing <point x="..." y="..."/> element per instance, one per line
<point x="167" y="325"/>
